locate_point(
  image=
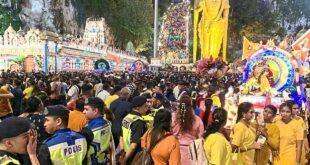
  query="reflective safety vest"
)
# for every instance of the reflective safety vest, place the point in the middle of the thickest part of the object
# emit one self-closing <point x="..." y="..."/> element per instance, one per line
<point x="99" y="151"/>
<point x="67" y="147"/>
<point x="126" y="124"/>
<point x="5" y="160"/>
<point x="149" y="119"/>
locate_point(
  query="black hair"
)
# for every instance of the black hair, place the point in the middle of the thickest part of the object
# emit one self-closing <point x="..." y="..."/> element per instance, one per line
<point x="208" y="105"/>
<point x="64" y="120"/>
<point x="243" y="108"/>
<point x="17" y="82"/>
<point x="286" y="104"/>
<point x="162" y="124"/>
<point x="219" y="117"/>
<point x="80" y="104"/>
<point x="86" y="87"/>
<point x="100" y="106"/>
<point x="273" y="109"/>
<point x="291" y="102"/>
<point x="33" y="104"/>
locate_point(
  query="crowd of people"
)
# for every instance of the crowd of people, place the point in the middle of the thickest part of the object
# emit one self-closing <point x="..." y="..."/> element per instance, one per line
<point x="110" y="118"/>
<point x="173" y="36"/>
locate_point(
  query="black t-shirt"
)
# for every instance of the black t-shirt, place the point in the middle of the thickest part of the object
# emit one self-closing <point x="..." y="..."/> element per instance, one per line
<point x="138" y="128"/>
<point x="12" y="156"/>
<point x="38" y="121"/>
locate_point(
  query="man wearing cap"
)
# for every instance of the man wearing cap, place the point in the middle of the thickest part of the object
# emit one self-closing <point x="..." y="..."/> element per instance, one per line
<point x="133" y="128"/>
<point x="64" y="146"/>
<point x="16" y="137"/>
<point x="155" y="105"/>
<point x="99" y="152"/>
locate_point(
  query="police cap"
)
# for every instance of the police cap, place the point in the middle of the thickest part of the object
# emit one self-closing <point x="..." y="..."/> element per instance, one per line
<point x="13" y="126"/>
<point x="138" y="101"/>
<point x="158" y="96"/>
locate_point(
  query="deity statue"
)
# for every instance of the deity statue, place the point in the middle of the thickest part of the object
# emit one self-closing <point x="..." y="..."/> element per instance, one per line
<point x="212" y="28"/>
<point x="261" y="80"/>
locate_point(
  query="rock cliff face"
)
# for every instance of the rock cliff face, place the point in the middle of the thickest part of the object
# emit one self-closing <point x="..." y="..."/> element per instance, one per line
<point x="62" y="16"/>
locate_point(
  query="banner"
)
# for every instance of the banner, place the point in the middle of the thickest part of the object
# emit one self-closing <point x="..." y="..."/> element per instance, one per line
<point x="303" y="45"/>
<point x="248" y="48"/>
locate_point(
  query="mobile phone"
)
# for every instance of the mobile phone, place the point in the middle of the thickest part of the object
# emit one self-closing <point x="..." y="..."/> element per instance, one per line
<point x="261" y="139"/>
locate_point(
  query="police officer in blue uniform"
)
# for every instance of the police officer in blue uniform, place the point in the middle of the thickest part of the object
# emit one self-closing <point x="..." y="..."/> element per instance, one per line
<point x="64" y="146"/>
<point x="16" y="138"/>
<point x="100" y="151"/>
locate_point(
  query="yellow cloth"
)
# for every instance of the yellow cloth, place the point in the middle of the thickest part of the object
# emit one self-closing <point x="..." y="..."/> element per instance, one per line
<point x="77" y="120"/>
<point x="289" y="134"/>
<point x="302" y="124"/>
<point x="216" y="100"/>
<point x="27" y="92"/>
<point x="4" y="87"/>
<point x="212" y="28"/>
<point x="272" y="143"/>
<point x="110" y="99"/>
<point x="218" y="149"/>
<point x="243" y="136"/>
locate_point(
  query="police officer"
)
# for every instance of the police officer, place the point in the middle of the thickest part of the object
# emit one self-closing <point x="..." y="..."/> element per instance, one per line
<point x="99" y="152"/>
<point x="157" y="103"/>
<point x="16" y="137"/>
<point x="152" y="102"/>
<point x="64" y="146"/>
<point x="133" y="128"/>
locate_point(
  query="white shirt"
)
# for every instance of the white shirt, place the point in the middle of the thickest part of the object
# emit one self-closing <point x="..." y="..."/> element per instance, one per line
<point x="176" y="91"/>
<point x="103" y="95"/>
<point x="73" y="92"/>
<point x="98" y="88"/>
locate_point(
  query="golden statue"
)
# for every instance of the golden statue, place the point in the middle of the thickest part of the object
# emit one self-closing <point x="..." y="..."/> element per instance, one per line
<point x="259" y="83"/>
<point x="212" y="28"/>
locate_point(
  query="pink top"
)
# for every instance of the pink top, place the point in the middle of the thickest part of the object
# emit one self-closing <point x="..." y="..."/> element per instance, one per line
<point x="188" y="137"/>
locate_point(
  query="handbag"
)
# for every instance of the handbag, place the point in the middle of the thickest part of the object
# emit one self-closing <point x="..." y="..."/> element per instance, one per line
<point x="237" y="157"/>
<point x="197" y="155"/>
<point x="144" y="157"/>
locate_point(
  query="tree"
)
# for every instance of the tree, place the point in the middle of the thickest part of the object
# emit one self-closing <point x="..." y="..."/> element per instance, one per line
<point x="131" y="20"/>
<point x="9" y="17"/>
<point x="251" y="18"/>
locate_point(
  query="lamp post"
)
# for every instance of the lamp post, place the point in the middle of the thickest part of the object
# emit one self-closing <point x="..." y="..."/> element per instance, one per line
<point x="155" y="27"/>
<point x="55" y="52"/>
<point x="45" y="57"/>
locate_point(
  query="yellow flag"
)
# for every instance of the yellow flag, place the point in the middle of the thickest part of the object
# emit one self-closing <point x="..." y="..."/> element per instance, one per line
<point x="248" y="48"/>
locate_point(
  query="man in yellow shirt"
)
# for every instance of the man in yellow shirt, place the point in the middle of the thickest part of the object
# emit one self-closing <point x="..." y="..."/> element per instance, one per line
<point x="116" y="94"/>
<point x="215" y="96"/>
<point x="28" y="91"/>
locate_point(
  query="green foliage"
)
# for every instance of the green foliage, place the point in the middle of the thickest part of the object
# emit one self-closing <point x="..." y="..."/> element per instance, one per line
<point x="258" y="19"/>
<point x="38" y="61"/>
<point x="9" y="16"/>
<point x="131" y="20"/>
<point x="18" y="60"/>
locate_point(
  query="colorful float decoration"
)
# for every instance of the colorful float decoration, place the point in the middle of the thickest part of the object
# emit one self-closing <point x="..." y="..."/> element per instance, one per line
<point x="138" y="66"/>
<point x="102" y="65"/>
<point x="271" y="70"/>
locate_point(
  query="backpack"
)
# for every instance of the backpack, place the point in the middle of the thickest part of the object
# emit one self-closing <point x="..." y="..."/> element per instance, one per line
<point x="197" y="154"/>
<point x="144" y="157"/>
